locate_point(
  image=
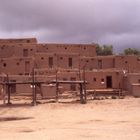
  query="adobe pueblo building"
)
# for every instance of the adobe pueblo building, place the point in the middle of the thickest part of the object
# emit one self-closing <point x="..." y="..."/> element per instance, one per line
<point x="20" y="59"/>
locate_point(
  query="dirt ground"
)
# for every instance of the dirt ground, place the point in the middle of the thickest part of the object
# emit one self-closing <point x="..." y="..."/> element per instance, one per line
<point x="110" y="119"/>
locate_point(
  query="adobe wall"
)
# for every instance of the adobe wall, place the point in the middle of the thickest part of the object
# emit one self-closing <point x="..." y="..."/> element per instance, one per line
<point x="98" y="79"/>
<point x="136" y="90"/>
<point x="64" y="62"/>
<point x="98" y="62"/>
<point x="69" y="76"/>
<point x="130" y="63"/>
<point x="82" y="49"/>
<point x="20" y="56"/>
<point x="18" y="41"/>
<point x="42" y="60"/>
<point x="95" y="79"/>
<point x="6" y="51"/>
<point x="16" y="66"/>
<point x="130" y="79"/>
<point x="17" y="50"/>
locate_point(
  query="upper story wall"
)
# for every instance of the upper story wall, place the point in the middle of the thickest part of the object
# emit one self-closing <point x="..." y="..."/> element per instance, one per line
<point x="98" y="62"/>
<point x="17" y="65"/>
<point x="17" y="47"/>
<point x="18" y="41"/>
<point x="17" y="50"/>
<point x="82" y="49"/>
<point x="57" y="60"/>
<point x="130" y="63"/>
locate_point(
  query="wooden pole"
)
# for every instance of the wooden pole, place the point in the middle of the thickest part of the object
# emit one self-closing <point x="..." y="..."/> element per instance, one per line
<point x="57" y="86"/>
<point x="33" y="89"/>
<point x="84" y="78"/>
<point x="8" y="90"/>
<point x="4" y="93"/>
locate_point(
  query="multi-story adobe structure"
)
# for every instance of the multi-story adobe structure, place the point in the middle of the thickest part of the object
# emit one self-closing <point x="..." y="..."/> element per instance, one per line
<point x="18" y="58"/>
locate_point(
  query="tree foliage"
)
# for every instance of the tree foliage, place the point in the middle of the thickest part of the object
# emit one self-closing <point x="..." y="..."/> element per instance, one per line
<point x="131" y="51"/>
<point x="104" y="49"/>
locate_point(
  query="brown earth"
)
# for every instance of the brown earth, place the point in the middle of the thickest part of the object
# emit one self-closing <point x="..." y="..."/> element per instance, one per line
<point x="117" y="119"/>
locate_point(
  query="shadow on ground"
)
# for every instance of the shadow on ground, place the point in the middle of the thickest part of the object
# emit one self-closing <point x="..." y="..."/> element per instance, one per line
<point x="2" y="119"/>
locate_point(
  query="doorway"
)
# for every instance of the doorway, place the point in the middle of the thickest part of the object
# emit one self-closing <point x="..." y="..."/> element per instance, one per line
<point x="109" y="82"/>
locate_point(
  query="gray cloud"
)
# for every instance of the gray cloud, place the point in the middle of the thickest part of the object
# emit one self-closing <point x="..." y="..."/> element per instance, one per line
<point x="115" y="22"/>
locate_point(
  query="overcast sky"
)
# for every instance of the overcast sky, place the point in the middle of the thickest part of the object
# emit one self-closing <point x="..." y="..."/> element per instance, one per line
<point x="115" y="22"/>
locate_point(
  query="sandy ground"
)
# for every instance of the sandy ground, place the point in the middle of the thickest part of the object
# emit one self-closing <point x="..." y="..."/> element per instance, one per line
<point x="117" y="119"/>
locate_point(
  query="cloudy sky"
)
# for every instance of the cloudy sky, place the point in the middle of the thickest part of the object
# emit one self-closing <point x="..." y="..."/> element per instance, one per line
<point x="115" y="22"/>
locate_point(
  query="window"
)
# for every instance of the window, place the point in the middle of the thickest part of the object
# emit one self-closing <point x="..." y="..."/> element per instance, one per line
<point x="94" y="79"/>
<point x="61" y="58"/>
<point x="17" y="63"/>
<point x="126" y="62"/>
<point x="28" y="41"/>
<point x="42" y="58"/>
<point x="25" y="52"/>
<point x="70" y="62"/>
<point x="4" y="64"/>
<point x="27" y="66"/>
<point x="50" y="62"/>
<point x="102" y="80"/>
<point x="139" y="81"/>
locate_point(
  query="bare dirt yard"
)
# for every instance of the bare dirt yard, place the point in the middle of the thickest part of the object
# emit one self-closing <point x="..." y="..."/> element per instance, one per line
<point x="111" y="119"/>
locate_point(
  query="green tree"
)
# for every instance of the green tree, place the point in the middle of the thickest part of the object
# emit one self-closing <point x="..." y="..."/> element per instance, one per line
<point x="131" y="51"/>
<point x="104" y="49"/>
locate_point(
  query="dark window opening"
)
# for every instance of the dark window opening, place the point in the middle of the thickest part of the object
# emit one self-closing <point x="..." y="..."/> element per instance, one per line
<point x="25" y="52"/>
<point x="126" y="62"/>
<point x="139" y="80"/>
<point x="28" y="41"/>
<point x="94" y="79"/>
<point x="61" y="58"/>
<point x="109" y="81"/>
<point x="102" y="80"/>
<point x="70" y="62"/>
<point x="17" y="63"/>
<point x="42" y="58"/>
<point x="65" y="48"/>
<point x="4" y="64"/>
<point x="31" y="49"/>
<point x="27" y="66"/>
<point x="50" y="62"/>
